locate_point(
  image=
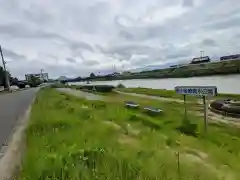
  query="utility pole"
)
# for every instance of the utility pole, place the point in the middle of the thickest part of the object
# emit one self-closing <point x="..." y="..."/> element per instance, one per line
<point x="202" y="54"/>
<point x="41" y="75"/>
<point x="5" y="71"/>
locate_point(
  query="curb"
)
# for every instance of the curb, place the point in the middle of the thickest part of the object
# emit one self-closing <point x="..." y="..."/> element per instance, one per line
<point x="11" y="155"/>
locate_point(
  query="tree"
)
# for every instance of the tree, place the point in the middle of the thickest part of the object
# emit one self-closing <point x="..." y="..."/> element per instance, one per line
<point x="2" y="77"/>
<point x="34" y="81"/>
<point x="92" y="75"/>
<point x="13" y="81"/>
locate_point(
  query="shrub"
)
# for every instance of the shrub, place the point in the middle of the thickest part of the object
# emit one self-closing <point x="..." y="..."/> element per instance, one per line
<point x="150" y="123"/>
<point x="146" y="121"/>
<point x="134" y="117"/>
<point x="58" y="85"/>
<point x="98" y="88"/>
<point x="74" y="86"/>
<point x="120" y="86"/>
<point x="171" y="142"/>
<point x="188" y="128"/>
<point x="34" y="81"/>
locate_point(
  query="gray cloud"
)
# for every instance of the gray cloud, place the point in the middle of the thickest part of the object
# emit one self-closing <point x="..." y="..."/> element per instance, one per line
<point x="12" y="55"/>
<point x="37" y="15"/>
<point x="233" y="22"/>
<point x="79" y="45"/>
<point x="140" y="61"/>
<point x="126" y="35"/>
<point x="90" y="62"/>
<point x="179" y="54"/>
<point x="188" y="3"/>
<point x="133" y="33"/>
<point x="209" y="42"/>
<point x="19" y="31"/>
<point x="71" y="60"/>
<point x="127" y="50"/>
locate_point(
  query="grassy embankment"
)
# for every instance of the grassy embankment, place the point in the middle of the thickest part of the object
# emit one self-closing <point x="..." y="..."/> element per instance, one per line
<point x="172" y="94"/>
<point x="72" y="138"/>
<point x="191" y="70"/>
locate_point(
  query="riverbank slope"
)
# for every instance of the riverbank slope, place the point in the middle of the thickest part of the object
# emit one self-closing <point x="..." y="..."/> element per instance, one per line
<point x="73" y="138"/>
<point x="190" y="70"/>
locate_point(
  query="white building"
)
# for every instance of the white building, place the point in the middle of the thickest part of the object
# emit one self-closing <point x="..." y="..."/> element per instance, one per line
<point x="41" y="76"/>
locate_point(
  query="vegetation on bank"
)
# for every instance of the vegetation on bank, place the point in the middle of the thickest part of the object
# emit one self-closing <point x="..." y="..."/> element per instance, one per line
<point x="88" y="88"/>
<point x="97" y="88"/>
<point x="190" y="70"/>
<point x="173" y="94"/>
<point x="72" y="138"/>
<point x="153" y="92"/>
<point x="34" y="81"/>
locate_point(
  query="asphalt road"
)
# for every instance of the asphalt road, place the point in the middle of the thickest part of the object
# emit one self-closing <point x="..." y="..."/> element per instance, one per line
<point x="12" y="106"/>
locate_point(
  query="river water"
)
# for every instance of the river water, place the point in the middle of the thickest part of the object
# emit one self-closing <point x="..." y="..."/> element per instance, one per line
<point x="224" y="84"/>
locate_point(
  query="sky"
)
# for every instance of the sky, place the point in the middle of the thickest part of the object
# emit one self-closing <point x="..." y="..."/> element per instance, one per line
<point x="77" y="37"/>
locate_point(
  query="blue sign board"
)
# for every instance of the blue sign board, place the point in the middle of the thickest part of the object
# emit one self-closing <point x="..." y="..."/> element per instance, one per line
<point x="197" y="90"/>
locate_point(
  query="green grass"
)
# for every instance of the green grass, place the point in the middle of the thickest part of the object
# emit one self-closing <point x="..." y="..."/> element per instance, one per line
<point x="156" y="92"/>
<point x="72" y="138"/>
<point x="172" y="94"/>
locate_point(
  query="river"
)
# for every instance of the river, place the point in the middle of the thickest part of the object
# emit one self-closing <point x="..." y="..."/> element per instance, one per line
<point x="224" y="84"/>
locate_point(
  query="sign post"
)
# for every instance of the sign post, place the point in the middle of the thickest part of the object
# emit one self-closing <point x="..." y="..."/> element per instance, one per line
<point x="205" y="103"/>
<point x="203" y="91"/>
<point x="185" y="106"/>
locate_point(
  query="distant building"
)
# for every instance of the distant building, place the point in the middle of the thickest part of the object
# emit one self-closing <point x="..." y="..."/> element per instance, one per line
<point x="231" y="57"/>
<point x="42" y="77"/>
<point x="115" y="74"/>
<point x="199" y="60"/>
<point x="125" y="73"/>
<point x="174" y="66"/>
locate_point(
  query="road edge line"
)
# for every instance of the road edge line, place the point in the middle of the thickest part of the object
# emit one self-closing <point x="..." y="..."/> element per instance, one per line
<point x="11" y="160"/>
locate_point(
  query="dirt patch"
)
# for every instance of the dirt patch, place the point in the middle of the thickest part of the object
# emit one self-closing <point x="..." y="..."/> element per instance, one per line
<point x="193" y="158"/>
<point x="199" y="157"/>
<point x="215" y="118"/>
<point x="132" y="131"/>
<point x="84" y="107"/>
<point x="129" y="130"/>
<point x="197" y="153"/>
<point x="113" y="125"/>
<point x="128" y="140"/>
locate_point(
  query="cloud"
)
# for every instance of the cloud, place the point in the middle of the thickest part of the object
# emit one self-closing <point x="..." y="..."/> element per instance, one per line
<point x="126" y="35"/>
<point x="12" y="55"/>
<point x="232" y="22"/>
<point x="71" y="60"/>
<point x="74" y="46"/>
<point x="208" y="42"/>
<point x="126" y="51"/>
<point x="78" y="37"/>
<point x="188" y="3"/>
<point x="91" y="62"/>
<point x="17" y="30"/>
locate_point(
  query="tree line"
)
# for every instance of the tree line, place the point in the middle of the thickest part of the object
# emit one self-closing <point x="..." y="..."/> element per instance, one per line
<point x="12" y="80"/>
